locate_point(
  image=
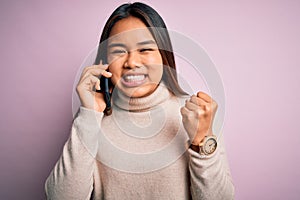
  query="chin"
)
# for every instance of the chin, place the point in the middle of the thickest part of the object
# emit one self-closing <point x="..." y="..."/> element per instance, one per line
<point x="141" y="91"/>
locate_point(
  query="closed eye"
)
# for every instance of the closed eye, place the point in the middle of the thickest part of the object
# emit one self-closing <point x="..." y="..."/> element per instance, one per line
<point x="118" y="52"/>
<point x="146" y="49"/>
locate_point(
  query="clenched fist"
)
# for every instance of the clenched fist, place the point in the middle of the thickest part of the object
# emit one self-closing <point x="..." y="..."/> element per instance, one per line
<point x="197" y="116"/>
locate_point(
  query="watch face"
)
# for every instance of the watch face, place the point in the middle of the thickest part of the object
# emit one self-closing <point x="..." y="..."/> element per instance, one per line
<point x="210" y="146"/>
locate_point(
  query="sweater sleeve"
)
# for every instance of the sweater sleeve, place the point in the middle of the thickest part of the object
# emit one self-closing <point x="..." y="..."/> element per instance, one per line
<point x="210" y="176"/>
<point x="72" y="176"/>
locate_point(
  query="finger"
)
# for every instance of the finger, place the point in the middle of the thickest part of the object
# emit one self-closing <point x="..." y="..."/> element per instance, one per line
<point x="191" y="106"/>
<point x="100" y="66"/>
<point x="97" y="72"/>
<point x="95" y="82"/>
<point x="184" y="111"/>
<point x="90" y="82"/>
<point x="204" y="96"/>
<point x="93" y="67"/>
<point x="201" y="103"/>
<point x="198" y="101"/>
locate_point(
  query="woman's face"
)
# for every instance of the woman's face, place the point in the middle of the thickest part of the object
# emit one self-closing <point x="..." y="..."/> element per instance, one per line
<point x="134" y="58"/>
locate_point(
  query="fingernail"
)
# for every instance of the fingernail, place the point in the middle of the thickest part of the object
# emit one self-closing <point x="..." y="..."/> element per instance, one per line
<point x="108" y="73"/>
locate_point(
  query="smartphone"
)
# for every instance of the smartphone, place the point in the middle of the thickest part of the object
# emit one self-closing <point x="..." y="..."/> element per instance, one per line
<point x="105" y="91"/>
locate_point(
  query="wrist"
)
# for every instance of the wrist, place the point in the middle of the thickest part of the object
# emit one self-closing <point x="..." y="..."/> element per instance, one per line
<point x="201" y="136"/>
<point x="206" y="147"/>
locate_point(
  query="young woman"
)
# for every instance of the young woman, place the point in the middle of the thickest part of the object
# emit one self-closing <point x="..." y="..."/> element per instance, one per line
<point x="139" y="151"/>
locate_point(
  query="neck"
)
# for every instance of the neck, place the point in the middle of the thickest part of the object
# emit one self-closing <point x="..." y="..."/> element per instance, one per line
<point x="138" y="104"/>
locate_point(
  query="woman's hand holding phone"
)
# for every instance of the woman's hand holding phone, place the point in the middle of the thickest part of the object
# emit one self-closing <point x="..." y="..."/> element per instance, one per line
<point x="88" y="84"/>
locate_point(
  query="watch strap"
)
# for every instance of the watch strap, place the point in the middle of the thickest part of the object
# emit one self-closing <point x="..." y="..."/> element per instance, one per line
<point x="195" y="148"/>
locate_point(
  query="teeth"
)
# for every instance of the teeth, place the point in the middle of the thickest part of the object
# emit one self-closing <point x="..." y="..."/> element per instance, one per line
<point x="132" y="78"/>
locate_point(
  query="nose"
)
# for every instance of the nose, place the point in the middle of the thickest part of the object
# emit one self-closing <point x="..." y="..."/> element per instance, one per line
<point x="133" y="60"/>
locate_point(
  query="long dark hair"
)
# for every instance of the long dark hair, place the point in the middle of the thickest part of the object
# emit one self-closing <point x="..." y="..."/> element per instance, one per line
<point x="159" y="32"/>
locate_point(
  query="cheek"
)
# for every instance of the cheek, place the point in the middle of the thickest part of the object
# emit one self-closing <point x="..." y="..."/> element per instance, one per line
<point x="155" y="67"/>
<point x="114" y="80"/>
<point x="154" y="59"/>
<point x="155" y="73"/>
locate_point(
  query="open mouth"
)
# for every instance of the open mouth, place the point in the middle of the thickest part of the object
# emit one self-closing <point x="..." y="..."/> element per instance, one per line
<point x="133" y="80"/>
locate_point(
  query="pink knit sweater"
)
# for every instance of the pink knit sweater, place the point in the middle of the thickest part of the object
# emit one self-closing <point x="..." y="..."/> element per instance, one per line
<point x="138" y="152"/>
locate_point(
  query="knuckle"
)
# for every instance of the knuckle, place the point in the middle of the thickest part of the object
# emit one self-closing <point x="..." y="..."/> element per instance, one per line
<point x="216" y="105"/>
<point x="181" y="110"/>
<point x="199" y="113"/>
<point x="194" y="99"/>
<point x="86" y="69"/>
<point x="89" y="77"/>
<point x="78" y="88"/>
<point x="199" y="93"/>
<point x="208" y="108"/>
<point x="190" y="116"/>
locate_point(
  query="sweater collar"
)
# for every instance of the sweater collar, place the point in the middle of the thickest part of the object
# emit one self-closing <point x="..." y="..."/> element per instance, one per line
<point x="139" y="104"/>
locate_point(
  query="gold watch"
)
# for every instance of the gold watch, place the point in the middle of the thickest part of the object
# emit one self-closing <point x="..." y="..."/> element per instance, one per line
<point x="207" y="146"/>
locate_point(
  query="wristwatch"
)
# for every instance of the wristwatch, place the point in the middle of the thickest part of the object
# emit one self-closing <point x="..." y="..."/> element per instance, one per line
<point x="207" y="146"/>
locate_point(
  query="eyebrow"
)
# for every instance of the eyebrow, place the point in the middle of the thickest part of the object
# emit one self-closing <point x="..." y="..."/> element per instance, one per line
<point x="116" y="45"/>
<point x="146" y="42"/>
<point x="123" y="45"/>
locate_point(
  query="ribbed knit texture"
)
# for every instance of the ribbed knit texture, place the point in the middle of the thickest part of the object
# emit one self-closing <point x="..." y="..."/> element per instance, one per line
<point x="160" y="95"/>
<point x="138" y="152"/>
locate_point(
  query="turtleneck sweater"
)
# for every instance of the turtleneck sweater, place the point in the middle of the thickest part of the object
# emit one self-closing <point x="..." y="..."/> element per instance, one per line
<point x="138" y="152"/>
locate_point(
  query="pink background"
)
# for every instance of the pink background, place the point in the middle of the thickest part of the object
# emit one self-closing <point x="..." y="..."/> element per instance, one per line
<point x="254" y="44"/>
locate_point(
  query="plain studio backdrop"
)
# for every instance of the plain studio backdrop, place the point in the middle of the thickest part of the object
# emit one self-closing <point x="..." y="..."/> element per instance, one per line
<point x="254" y="45"/>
